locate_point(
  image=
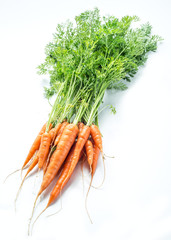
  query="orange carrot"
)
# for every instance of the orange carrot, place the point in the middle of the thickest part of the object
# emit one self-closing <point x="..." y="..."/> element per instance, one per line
<point x="66" y="141"/>
<point x="96" y="152"/>
<point x="35" y="146"/>
<point x="69" y="165"/>
<point x="80" y="125"/>
<point x="89" y="152"/>
<point x="64" y="124"/>
<point x="54" y="131"/>
<point x="44" y="148"/>
<point x="96" y="135"/>
<point x="82" y="138"/>
<point x="63" y="179"/>
<point x="58" y="157"/>
<point x="45" y="166"/>
<point x="46" y="163"/>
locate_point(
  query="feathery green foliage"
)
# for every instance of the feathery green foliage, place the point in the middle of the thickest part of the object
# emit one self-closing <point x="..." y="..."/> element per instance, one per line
<point x="95" y="53"/>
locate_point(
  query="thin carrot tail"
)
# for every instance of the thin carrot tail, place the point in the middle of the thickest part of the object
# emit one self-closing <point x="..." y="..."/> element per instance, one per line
<point x="44" y="211"/>
<point x="15" y="201"/>
<point x="33" y="164"/>
<point x="108" y="156"/>
<point x="87" y="199"/>
<point x="21" y="173"/>
<point x="60" y="207"/>
<point x="82" y="170"/>
<point x="30" y="231"/>
<point x="36" y="180"/>
<point x="28" y="164"/>
<point x="11" y="174"/>
<point x="104" y="174"/>
<point x="29" y="224"/>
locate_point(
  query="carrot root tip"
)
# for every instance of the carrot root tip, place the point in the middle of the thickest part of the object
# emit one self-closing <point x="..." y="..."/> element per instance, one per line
<point x="108" y="156"/>
<point x="30" y="219"/>
<point x="86" y="201"/>
<point x="11" y="174"/>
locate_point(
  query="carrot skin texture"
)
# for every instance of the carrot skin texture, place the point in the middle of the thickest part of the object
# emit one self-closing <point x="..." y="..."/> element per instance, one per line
<point x="33" y="164"/>
<point x="64" y="124"/>
<point x="35" y="146"/>
<point x="96" y="135"/>
<point x="44" y="148"/>
<point x="82" y="138"/>
<point x="89" y="152"/>
<point x="54" y="131"/>
<point x="70" y="163"/>
<point x="62" y="180"/>
<point x="45" y="166"/>
<point x="67" y="139"/>
<point x="96" y="152"/>
<point x="80" y="125"/>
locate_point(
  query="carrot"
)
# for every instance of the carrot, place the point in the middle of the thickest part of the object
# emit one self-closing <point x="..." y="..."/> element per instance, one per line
<point x="96" y="152"/>
<point x="82" y="138"/>
<point x="67" y="139"/>
<point x="70" y="164"/>
<point x="61" y="182"/>
<point x="64" y="124"/>
<point x="54" y="131"/>
<point x="89" y="152"/>
<point x="97" y="138"/>
<point x="94" y="165"/>
<point x="58" y="157"/>
<point x="35" y="146"/>
<point x="45" y="165"/>
<point x="68" y="168"/>
<point x="44" y="148"/>
<point x="96" y="135"/>
<point x="80" y="125"/>
<point x="63" y="179"/>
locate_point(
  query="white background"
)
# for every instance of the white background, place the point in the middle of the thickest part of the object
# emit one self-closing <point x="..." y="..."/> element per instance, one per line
<point x="135" y="200"/>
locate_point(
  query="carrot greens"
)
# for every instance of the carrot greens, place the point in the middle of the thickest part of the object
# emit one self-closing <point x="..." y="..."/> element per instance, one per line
<point x="103" y="52"/>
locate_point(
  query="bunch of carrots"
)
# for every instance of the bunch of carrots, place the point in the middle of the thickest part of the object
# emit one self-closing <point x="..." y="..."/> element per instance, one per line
<point x="82" y="62"/>
<point x="63" y="146"/>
